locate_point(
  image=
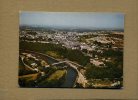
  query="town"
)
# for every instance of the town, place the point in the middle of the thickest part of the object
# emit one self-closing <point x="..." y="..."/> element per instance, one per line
<point x="96" y="57"/>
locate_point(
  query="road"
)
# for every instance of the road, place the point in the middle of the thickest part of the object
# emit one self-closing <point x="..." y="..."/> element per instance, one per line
<point x="80" y="79"/>
<point x="22" y="58"/>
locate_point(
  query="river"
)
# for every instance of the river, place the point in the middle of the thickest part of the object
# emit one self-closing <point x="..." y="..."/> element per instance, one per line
<point x="71" y="75"/>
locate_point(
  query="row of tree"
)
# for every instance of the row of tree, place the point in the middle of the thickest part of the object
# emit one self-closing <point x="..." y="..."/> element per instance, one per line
<point x="111" y="71"/>
<point x="73" y="55"/>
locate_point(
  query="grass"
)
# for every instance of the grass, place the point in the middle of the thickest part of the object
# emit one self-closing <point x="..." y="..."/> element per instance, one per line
<point x="54" y="80"/>
<point x="104" y="82"/>
<point x="29" y="77"/>
<point x="57" y="75"/>
<point x="24" y="70"/>
<point x="53" y="54"/>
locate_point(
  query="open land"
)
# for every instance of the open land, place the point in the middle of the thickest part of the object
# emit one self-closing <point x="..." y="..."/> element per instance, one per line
<point x="70" y="58"/>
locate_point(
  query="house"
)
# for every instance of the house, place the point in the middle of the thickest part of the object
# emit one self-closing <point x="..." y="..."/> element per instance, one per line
<point x="97" y="62"/>
<point x="36" y="69"/>
<point x="42" y="73"/>
<point x="116" y="83"/>
<point x="33" y="64"/>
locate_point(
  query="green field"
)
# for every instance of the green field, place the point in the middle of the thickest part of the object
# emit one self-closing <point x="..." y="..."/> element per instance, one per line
<point x="54" y="80"/>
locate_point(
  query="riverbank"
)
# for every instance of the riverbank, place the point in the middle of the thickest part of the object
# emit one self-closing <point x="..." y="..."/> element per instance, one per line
<point x="71" y="73"/>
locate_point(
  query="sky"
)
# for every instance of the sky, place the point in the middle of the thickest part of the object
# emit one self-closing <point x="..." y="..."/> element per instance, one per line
<point x="88" y="20"/>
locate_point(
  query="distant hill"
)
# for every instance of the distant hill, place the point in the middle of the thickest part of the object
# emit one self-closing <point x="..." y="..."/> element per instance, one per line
<point x="47" y="28"/>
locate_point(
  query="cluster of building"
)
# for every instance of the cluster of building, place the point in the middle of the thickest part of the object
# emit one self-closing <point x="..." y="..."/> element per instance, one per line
<point x="32" y="62"/>
<point x="98" y="41"/>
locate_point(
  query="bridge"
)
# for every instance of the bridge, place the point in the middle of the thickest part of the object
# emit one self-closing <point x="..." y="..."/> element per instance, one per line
<point x="60" y="62"/>
<point x="81" y="79"/>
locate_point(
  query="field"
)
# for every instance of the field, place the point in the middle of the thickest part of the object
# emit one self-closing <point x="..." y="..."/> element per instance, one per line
<point x="72" y="51"/>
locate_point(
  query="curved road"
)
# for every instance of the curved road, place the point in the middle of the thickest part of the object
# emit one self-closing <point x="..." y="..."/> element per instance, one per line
<point x="70" y="74"/>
